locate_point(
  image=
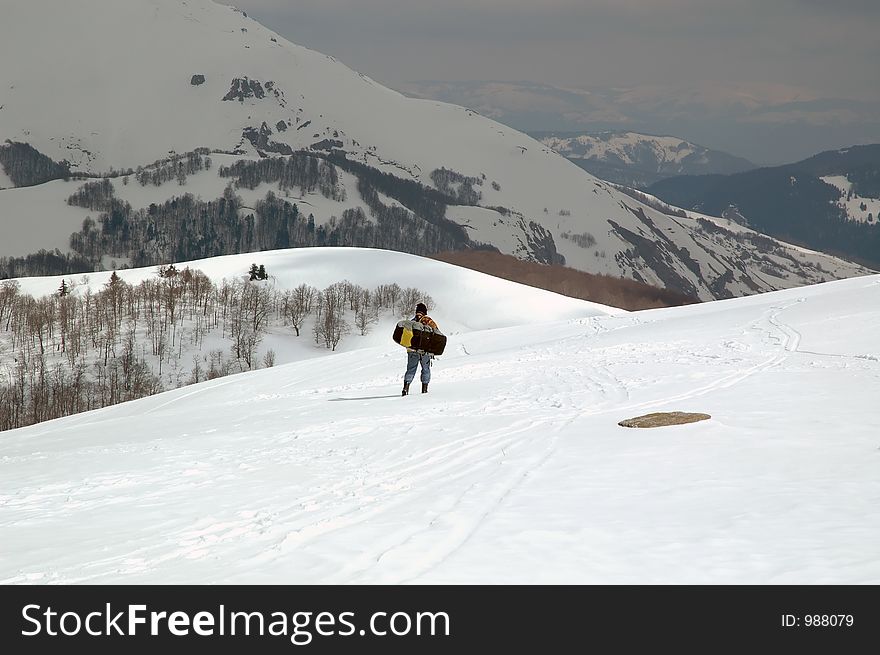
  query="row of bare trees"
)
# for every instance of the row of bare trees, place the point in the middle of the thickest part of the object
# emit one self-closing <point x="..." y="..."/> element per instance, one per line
<point x="81" y="348"/>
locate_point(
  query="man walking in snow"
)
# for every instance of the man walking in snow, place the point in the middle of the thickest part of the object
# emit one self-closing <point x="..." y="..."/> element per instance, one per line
<point x="416" y="357"/>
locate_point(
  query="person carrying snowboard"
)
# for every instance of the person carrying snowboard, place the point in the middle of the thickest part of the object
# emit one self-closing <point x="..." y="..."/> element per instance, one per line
<point x="416" y="357"/>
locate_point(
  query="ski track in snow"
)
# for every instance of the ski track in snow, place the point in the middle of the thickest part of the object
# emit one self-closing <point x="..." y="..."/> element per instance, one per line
<point x="788" y="343"/>
<point x="474" y="458"/>
<point x="436" y="551"/>
<point x="422" y="489"/>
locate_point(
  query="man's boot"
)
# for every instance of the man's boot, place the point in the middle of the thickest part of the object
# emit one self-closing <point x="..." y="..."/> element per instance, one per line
<point x="405" y="391"/>
<point x="424" y="387"/>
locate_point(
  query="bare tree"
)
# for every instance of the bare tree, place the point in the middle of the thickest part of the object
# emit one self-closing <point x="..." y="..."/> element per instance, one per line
<point x="197" y="373"/>
<point x="366" y="312"/>
<point x="409" y="298"/>
<point x="331" y="326"/>
<point x="297" y="305"/>
<point x="249" y="320"/>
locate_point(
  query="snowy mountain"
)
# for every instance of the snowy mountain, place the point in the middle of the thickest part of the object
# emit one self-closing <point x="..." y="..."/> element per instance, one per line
<point x="511" y="469"/>
<point x="829" y="201"/>
<point x="193" y="134"/>
<point x="766" y="122"/>
<point x="638" y="160"/>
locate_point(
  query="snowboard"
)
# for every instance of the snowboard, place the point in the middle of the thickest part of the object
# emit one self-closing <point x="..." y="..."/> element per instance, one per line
<point x="418" y="336"/>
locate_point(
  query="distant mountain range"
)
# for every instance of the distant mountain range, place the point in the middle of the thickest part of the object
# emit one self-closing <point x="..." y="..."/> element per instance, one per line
<point x="767" y="123"/>
<point x="830" y="202"/>
<point x="638" y="160"/>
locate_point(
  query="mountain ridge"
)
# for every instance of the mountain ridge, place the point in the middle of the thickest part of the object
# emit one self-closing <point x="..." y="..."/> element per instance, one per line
<point x="638" y="160"/>
<point x="815" y="202"/>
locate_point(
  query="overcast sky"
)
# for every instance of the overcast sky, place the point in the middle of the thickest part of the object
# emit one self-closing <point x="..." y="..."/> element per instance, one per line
<point x="830" y="48"/>
<point x="718" y="72"/>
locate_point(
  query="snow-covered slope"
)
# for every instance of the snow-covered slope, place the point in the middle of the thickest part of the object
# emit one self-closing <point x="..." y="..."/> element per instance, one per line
<point x="512" y="469"/>
<point x="460" y="300"/>
<point x="663" y="155"/>
<point x="38" y="217"/>
<point x="466" y="299"/>
<point x="855" y="207"/>
<point x="92" y="86"/>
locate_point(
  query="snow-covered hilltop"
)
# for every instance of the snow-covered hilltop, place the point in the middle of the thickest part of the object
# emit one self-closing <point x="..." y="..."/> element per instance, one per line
<point x="470" y="300"/>
<point x="77" y="343"/>
<point x="167" y="98"/>
<point x="639" y="160"/>
<point x="512" y="468"/>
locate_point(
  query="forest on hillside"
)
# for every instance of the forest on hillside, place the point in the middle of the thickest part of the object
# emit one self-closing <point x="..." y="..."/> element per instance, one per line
<point x="186" y="228"/>
<point x="80" y="349"/>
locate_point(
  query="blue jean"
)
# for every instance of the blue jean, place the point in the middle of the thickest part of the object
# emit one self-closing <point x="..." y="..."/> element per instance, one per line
<point x="412" y="363"/>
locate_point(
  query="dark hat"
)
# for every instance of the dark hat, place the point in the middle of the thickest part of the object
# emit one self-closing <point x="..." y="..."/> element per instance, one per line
<point x="421" y="309"/>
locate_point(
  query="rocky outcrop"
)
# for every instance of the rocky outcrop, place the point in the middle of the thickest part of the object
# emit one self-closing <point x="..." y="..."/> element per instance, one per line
<point x="242" y="88"/>
<point x="259" y="139"/>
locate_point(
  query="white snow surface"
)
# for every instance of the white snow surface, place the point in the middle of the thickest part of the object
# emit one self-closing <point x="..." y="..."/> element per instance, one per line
<point x="38" y="217"/>
<point x="512" y="468"/>
<point x="853" y="206"/>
